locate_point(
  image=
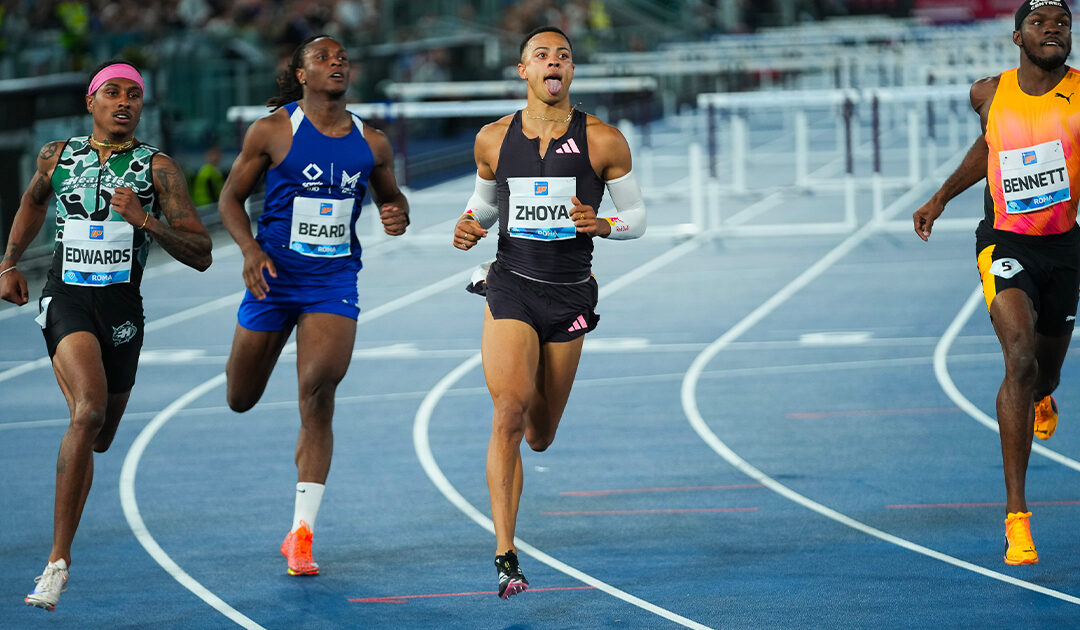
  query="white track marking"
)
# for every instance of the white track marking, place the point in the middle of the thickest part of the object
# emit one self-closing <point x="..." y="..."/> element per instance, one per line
<point x="427" y="460"/>
<point x="693" y="415"/>
<point x="941" y="371"/>
<point x="134" y="518"/>
<point x="138" y="447"/>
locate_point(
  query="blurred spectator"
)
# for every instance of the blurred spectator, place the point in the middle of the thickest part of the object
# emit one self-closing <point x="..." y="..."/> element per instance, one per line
<point x="206" y="187"/>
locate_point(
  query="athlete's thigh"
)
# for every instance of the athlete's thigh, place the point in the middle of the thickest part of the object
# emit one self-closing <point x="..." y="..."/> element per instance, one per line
<point x="511" y="352"/>
<point x="559" y="367"/>
<point x="80" y="371"/>
<point x="324" y="347"/>
<point x="252" y="358"/>
<point x="1013" y="317"/>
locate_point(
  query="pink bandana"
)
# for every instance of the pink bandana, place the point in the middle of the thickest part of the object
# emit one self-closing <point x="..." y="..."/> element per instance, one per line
<point x="115" y="71"/>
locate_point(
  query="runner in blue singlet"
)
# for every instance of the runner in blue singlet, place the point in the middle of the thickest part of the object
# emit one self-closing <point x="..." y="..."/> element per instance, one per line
<point x="300" y="271"/>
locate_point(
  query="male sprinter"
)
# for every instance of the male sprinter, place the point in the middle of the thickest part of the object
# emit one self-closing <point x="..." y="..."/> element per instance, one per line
<point x="111" y="191"/>
<point x="1028" y="245"/>
<point x="541" y="174"/>
<point x="319" y="161"/>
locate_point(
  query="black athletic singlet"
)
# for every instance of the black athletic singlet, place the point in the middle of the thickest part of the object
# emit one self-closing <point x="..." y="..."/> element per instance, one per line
<point x="536" y="236"/>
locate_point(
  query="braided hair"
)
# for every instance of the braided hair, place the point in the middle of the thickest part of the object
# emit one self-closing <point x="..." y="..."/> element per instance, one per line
<point x="289" y="88"/>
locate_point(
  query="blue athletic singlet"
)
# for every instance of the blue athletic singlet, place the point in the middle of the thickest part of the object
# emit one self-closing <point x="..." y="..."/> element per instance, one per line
<point x="536" y="234"/>
<point x="313" y="200"/>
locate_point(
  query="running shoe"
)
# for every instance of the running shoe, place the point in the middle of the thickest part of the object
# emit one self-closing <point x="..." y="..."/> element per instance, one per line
<point x="511" y="580"/>
<point x="49" y="585"/>
<point x="1046" y="417"/>
<point x="297" y="548"/>
<point x="478" y="280"/>
<point x="1018" y="535"/>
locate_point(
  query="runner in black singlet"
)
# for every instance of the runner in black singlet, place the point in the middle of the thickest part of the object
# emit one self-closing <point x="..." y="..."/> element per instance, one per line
<point x="541" y="174"/>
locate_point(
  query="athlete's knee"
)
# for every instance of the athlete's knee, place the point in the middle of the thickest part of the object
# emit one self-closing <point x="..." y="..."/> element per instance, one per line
<point x="88" y="417"/>
<point x="1021" y="367"/>
<point x="317" y="394"/>
<point x="508" y="424"/>
<point x="539" y="441"/>
<point x="240" y="401"/>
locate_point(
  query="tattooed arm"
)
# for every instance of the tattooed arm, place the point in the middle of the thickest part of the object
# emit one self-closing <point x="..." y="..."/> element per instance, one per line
<point x="184" y="237"/>
<point x="28" y="221"/>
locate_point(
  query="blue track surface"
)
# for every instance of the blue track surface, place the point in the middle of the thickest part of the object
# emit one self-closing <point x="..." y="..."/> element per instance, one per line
<point x="823" y="427"/>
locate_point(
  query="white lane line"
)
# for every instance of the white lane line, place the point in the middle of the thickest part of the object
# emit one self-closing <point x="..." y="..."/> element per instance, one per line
<point x="422" y="446"/>
<point x="168" y="320"/>
<point x="941" y="370"/>
<point x="134" y="518"/>
<point x="693" y="415"/>
<point x="30" y="308"/>
<point x="135" y="453"/>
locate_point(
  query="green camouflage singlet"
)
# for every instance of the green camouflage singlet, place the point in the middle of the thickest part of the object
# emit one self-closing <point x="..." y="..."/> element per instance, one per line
<point x="84" y="188"/>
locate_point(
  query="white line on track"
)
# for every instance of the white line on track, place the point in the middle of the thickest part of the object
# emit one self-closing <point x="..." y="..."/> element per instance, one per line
<point x="175" y="318"/>
<point x="422" y="446"/>
<point x="693" y="415"/>
<point x="941" y="370"/>
<point x="134" y="455"/>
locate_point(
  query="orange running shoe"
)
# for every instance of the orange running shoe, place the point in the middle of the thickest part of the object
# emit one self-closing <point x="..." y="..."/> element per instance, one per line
<point x="297" y="548"/>
<point x="1018" y="534"/>
<point x="1046" y="417"/>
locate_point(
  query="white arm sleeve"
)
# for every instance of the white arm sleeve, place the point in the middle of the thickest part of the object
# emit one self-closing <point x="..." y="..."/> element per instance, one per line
<point x="628" y="221"/>
<point x="481" y="206"/>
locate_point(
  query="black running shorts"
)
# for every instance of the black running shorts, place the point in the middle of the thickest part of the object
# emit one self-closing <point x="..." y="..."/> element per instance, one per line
<point x="557" y="312"/>
<point x="112" y="314"/>
<point x="1046" y="268"/>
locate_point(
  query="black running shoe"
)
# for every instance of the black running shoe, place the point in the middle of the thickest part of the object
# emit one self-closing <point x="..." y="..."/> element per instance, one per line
<point x="511" y="580"/>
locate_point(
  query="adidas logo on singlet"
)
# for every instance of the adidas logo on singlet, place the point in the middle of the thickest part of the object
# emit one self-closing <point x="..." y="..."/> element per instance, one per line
<point x="568" y="147"/>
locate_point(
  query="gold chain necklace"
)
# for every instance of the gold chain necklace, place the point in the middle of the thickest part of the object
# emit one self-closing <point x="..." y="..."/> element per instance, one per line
<point x="555" y="120"/>
<point x="123" y="146"/>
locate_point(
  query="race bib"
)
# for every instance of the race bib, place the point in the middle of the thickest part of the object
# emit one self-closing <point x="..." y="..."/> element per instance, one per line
<point x="540" y="208"/>
<point x="321" y="228"/>
<point x="97" y="253"/>
<point x="1034" y="178"/>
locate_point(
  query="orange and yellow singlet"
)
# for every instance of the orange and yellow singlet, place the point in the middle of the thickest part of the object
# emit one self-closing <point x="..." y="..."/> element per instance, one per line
<point x="1034" y="164"/>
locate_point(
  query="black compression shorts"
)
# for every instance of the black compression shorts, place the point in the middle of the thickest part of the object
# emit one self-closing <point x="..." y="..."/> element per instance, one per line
<point x="557" y="312"/>
<point x="112" y="314"/>
<point x="1046" y="268"/>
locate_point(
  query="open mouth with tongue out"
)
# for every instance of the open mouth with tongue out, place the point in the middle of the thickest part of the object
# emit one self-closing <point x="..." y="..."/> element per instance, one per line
<point x="553" y="82"/>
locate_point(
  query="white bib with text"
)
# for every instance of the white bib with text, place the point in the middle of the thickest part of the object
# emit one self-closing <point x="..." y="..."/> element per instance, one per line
<point x="1034" y="178"/>
<point x="540" y="208"/>
<point x="97" y="253"/>
<point x="321" y="227"/>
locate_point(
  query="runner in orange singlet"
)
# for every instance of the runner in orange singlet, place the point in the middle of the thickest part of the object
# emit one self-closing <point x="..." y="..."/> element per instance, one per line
<point x="1028" y="244"/>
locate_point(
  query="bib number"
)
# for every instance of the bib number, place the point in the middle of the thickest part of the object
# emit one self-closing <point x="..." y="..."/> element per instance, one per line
<point x="1034" y="178"/>
<point x="97" y="253"/>
<point x="540" y="208"/>
<point x="321" y="228"/>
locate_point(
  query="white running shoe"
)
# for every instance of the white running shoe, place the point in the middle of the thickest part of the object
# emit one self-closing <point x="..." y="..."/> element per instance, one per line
<point x="49" y="585"/>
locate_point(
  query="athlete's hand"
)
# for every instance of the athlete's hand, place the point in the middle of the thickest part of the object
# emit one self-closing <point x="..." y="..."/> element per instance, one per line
<point x="586" y="221"/>
<point x="13" y="287"/>
<point x="394" y="219"/>
<point x="127" y="205"/>
<point x="255" y="261"/>
<point x="925" y="216"/>
<point x="467" y="233"/>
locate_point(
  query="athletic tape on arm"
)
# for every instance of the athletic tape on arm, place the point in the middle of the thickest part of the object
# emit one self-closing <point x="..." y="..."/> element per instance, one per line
<point x="481" y="206"/>
<point x="628" y="221"/>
